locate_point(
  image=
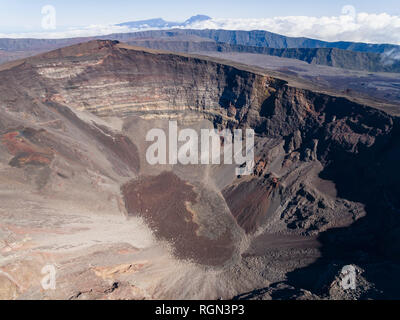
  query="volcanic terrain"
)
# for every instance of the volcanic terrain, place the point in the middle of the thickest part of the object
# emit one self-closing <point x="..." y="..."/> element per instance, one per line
<point x="77" y="192"/>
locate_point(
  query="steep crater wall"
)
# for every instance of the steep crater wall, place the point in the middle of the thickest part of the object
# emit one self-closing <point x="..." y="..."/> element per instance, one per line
<point x="116" y="81"/>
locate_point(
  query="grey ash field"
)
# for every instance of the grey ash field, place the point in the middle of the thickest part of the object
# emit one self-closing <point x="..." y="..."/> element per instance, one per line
<point x="76" y="191"/>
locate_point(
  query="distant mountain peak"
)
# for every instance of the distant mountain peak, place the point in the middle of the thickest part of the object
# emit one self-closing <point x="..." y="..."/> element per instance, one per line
<point x="153" y="23"/>
<point x="197" y="18"/>
<point x="161" y="23"/>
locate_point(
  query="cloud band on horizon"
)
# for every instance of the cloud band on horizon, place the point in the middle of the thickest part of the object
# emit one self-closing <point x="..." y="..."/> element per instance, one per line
<point x="361" y="27"/>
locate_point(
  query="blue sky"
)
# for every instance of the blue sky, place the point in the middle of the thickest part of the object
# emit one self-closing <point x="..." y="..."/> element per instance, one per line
<point x="21" y="14"/>
<point x="369" y="21"/>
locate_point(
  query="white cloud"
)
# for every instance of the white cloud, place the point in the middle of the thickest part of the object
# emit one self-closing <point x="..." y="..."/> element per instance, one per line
<point x="89" y="31"/>
<point x="350" y="26"/>
<point x="390" y="57"/>
<point x="362" y="27"/>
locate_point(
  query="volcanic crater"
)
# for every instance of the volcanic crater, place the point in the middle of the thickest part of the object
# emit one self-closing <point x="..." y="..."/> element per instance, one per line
<point x="324" y="191"/>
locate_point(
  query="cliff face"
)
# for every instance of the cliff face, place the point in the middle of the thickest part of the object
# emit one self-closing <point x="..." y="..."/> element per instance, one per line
<point x="332" y="57"/>
<point x="73" y="125"/>
<point x="257" y="38"/>
<point x="116" y="81"/>
<point x="347" y="55"/>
